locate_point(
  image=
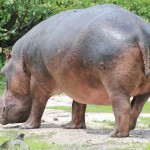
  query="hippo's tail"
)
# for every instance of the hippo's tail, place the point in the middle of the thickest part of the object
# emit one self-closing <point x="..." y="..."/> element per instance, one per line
<point x="145" y="51"/>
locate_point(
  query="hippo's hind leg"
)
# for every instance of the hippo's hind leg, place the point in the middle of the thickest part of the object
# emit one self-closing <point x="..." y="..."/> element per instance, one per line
<point x="121" y="108"/>
<point x="78" y="117"/>
<point x="136" y="107"/>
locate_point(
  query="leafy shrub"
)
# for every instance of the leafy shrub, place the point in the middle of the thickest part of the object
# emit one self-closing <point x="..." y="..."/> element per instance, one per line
<point x="141" y="8"/>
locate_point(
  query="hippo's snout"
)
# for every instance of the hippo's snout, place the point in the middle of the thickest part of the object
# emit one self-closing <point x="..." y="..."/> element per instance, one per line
<point x="2" y="120"/>
<point x="6" y="114"/>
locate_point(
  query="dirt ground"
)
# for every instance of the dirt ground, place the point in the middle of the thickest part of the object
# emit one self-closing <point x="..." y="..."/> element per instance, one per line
<point x="95" y="137"/>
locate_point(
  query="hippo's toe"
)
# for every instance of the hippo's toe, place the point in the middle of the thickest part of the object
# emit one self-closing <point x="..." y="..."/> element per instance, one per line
<point x="23" y="126"/>
<point x="116" y="134"/>
<point x="29" y="126"/>
<point x="74" y="126"/>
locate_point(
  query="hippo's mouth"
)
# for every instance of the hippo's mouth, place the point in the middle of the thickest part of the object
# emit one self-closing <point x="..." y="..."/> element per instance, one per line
<point x="4" y="114"/>
<point x="3" y="121"/>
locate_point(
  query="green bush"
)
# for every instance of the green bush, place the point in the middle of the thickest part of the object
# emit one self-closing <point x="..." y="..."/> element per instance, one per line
<point x="141" y="8"/>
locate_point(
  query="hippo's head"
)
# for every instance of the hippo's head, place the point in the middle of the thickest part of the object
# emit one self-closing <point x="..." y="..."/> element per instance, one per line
<point x="15" y="104"/>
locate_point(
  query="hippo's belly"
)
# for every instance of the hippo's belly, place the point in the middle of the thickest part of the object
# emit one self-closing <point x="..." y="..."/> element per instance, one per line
<point x="82" y="85"/>
<point x="87" y="95"/>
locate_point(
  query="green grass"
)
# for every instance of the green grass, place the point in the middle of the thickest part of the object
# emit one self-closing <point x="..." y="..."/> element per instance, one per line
<point x="37" y="141"/>
<point x="105" y="123"/>
<point x="34" y="142"/>
<point x="146" y="108"/>
<point x="141" y="123"/>
<point x="96" y="108"/>
<point x="148" y="146"/>
<point x="144" y="121"/>
<point x="90" y="108"/>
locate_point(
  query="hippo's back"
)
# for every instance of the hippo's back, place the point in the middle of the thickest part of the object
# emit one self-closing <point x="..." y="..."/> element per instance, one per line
<point x="101" y="28"/>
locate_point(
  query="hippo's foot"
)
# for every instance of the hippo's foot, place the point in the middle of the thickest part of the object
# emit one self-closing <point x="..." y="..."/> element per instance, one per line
<point x="132" y="125"/>
<point x="71" y="125"/>
<point x="116" y="134"/>
<point x="30" y="126"/>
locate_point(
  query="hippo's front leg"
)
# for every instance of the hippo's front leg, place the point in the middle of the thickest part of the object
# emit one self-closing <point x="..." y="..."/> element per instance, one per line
<point x="34" y="120"/>
<point x="39" y="100"/>
<point x="78" y="116"/>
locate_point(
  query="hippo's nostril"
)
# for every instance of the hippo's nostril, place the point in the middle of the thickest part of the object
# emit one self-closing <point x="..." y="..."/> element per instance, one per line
<point x="3" y="112"/>
<point x="8" y="107"/>
<point x="2" y="117"/>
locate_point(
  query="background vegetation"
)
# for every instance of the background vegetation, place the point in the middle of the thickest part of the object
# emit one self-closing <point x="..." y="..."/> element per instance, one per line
<point x="19" y="16"/>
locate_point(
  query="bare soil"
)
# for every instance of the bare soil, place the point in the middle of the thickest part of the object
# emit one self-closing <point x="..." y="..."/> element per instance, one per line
<point x="96" y="136"/>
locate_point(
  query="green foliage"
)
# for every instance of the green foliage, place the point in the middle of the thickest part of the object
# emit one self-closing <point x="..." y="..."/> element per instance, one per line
<point x="141" y="8"/>
<point x="19" y="16"/>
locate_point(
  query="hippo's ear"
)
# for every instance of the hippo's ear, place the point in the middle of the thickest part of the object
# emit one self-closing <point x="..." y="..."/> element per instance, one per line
<point x="7" y="53"/>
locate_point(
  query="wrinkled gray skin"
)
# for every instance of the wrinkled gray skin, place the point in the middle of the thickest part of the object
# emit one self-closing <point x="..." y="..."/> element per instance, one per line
<point x="96" y="55"/>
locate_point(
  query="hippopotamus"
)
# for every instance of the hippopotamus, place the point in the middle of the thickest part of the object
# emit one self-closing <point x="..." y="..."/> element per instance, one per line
<point x="98" y="55"/>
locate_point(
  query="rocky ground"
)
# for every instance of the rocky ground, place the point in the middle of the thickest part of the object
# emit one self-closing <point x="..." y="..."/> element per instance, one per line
<point x="95" y="137"/>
